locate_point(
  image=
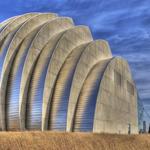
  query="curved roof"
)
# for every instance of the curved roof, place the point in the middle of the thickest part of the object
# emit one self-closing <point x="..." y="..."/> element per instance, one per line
<point x="52" y="75"/>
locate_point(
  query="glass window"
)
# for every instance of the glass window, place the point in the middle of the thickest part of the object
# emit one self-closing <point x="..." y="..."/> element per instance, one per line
<point x="117" y="78"/>
<point x="130" y="88"/>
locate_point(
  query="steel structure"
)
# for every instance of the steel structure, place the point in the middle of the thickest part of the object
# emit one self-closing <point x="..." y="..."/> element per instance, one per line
<point x="54" y="76"/>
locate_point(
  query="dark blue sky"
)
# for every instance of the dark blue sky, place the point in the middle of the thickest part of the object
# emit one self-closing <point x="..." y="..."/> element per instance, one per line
<point x="125" y="24"/>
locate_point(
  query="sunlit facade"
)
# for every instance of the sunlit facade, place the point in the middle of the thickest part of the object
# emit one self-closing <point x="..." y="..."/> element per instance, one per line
<point x="54" y="76"/>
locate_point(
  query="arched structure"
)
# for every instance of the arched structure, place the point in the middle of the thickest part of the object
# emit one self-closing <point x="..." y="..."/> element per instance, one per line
<point x="53" y="76"/>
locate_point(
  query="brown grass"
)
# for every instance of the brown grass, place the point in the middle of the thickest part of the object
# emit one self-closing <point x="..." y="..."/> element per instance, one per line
<point x="72" y="141"/>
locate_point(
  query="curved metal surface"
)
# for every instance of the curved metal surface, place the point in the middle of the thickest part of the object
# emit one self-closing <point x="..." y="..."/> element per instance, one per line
<point x="3" y="52"/>
<point x="11" y="24"/>
<point x="15" y="23"/>
<point x="44" y="36"/>
<point x="115" y="105"/>
<point x="54" y="76"/>
<point x="13" y="85"/>
<point x="4" y="25"/>
<point x="96" y="51"/>
<point x="59" y="102"/>
<point x="85" y="108"/>
<point x="23" y="31"/>
<point x="6" y="22"/>
<point x="71" y="39"/>
<point x="5" y="46"/>
<point x="35" y="94"/>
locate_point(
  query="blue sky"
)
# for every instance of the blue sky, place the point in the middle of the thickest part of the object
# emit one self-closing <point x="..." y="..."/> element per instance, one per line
<point x="125" y="24"/>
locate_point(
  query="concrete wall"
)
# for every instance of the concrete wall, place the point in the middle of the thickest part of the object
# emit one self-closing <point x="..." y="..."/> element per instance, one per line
<point x="116" y="106"/>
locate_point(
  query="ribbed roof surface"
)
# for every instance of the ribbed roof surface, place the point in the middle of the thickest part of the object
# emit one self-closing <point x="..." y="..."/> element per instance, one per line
<point x="50" y="73"/>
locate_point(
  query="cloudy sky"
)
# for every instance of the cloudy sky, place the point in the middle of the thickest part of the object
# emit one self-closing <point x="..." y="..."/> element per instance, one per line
<point x="125" y="24"/>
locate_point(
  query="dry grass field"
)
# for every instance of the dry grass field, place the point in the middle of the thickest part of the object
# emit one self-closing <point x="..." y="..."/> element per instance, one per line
<point x="72" y="141"/>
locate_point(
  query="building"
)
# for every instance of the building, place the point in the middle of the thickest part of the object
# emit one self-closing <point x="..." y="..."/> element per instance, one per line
<point x="54" y="76"/>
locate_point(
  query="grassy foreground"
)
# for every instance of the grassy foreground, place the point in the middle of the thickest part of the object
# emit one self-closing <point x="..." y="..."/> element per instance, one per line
<point x="72" y="141"/>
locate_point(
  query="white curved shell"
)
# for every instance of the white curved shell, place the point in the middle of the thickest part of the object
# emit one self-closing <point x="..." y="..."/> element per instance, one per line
<point x="53" y="76"/>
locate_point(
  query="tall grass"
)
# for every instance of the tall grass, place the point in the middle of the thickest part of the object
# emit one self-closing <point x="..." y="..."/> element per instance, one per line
<point x="72" y="141"/>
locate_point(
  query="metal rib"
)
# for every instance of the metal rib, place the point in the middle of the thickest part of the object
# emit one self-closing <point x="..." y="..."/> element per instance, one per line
<point x="95" y="51"/>
<point x="35" y="94"/>
<point x="29" y="26"/>
<point x="71" y="39"/>
<point x="59" y="103"/>
<point x="45" y="35"/>
<point x="13" y="86"/>
<point x="85" y="108"/>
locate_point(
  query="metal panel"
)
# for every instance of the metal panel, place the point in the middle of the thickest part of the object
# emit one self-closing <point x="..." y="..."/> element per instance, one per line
<point x="3" y="52"/>
<point x="48" y="36"/>
<point x="94" y="52"/>
<point x="15" y="23"/>
<point x="44" y="36"/>
<point x="24" y="31"/>
<point x="13" y="86"/>
<point x="2" y="28"/>
<point x="5" y="23"/>
<point x="70" y="40"/>
<point x="85" y="109"/>
<point x="59" y="103"/>
<point x="34" y="103"/>
<point x="4" y="48"/>
<point x="35" y="94"/>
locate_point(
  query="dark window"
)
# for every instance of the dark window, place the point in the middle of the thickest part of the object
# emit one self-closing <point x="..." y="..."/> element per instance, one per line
<point x="130" y="88"/>
<point x="117" y="78"/>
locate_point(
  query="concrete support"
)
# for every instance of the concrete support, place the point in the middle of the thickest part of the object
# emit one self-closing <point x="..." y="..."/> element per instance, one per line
<point x="43" y="37"/>
<point x="15" y="23"/>
<point x="96" y="51"/>
<point x="13" y="84"/>
<point x="53" y="76"/>
<point x="60" y="99"/>
<point x="24" y="30"/>
<point x="86" y="103"/>
<point x="71" y="39"/>
<point x="116" y="100"/>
